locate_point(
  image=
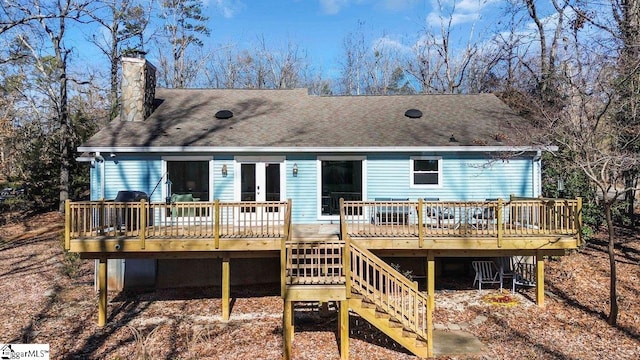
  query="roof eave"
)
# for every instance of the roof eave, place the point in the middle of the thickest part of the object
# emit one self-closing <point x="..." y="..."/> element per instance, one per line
<point x="293" y="149"/>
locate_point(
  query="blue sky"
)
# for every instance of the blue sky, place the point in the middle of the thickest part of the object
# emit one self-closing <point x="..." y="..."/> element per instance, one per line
<point x="320" y="26"/>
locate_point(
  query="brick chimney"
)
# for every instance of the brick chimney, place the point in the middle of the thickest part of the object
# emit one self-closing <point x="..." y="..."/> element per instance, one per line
<point x="138" y="88"/>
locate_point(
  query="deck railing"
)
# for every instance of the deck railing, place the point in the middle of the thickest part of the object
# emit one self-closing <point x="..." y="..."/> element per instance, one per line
<point x="389" y="290"/>
<point x="315" y="262"/>
<point x="188" y="220"/>
<point x="493" y="218"/>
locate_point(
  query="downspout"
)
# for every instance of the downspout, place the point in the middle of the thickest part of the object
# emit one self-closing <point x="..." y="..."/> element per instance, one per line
<point x="537" y="174"/>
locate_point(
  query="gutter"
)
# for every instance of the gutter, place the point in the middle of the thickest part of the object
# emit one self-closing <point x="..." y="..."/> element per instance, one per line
<point x="294" y="149"/>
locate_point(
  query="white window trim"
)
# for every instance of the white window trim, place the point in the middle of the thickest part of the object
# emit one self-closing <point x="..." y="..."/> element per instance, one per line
<point x="412" y="171"/>
<point x="319" y="160"/>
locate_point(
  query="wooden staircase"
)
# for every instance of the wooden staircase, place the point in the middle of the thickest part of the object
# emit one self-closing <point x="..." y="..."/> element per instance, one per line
<point x="339" y="270"/>
<point x="390" y="302"/>
<point x="388" y="325"/>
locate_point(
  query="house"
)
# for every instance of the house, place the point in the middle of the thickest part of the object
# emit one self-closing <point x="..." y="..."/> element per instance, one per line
<point x="310" y="191"/>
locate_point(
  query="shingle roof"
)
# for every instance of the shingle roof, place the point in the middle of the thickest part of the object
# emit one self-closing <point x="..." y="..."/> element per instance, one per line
<point x="292" y="118"/>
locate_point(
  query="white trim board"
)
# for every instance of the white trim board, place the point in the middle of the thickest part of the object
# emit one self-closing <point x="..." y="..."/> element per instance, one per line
<point x="348" y="149"/>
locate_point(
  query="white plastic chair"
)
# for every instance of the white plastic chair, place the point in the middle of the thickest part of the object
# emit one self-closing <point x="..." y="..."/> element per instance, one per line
<point x="524" y="274"/>
<point x="486" y="273"/>
<point x="505" y="267"/>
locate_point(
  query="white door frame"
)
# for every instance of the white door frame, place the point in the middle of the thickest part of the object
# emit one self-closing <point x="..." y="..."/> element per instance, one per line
<point x="261" y="162"/>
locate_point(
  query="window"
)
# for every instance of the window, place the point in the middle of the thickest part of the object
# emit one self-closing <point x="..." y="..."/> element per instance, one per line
<point x="426" y="171"/>
<point x="189" y="178"/>
<point x="340" y="179"/>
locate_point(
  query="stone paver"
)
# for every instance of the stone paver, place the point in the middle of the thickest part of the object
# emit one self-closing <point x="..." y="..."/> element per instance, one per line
<point x="455" y="343"/>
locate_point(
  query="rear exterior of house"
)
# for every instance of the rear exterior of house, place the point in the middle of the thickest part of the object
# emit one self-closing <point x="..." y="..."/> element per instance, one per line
<point x="273" y="180"/>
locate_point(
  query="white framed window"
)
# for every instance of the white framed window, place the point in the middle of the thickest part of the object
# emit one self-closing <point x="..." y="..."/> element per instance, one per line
<point x="426" y="171"/>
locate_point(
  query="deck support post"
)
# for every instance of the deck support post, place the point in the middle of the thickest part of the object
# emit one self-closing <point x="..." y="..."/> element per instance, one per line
<point x="102" y="291"/>
<point x="226" y="291"/>
<point x="343" y="330"/>
<point x="287" y="329"/>
<point x="539" y="279"/>
<point x="431" y="280"/>
<point x="430" y="330"/>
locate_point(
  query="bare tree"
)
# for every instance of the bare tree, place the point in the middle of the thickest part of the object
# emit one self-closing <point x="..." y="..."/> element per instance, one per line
<point x="352" y="72"/>
<point x="285" y="66"/>
<point x="593" y="84"/>
<point x="224" y="70"/>
<point x="544" y="70"/>
<point x="32" y="22"/>
<point x="12" y="88"/>
<point x="436" y="65"/>
<point x="123" y="21"/>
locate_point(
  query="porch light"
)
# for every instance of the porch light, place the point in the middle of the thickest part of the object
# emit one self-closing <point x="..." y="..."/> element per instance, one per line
<point x="295" y="170"/>
<point x="224" y="170"/>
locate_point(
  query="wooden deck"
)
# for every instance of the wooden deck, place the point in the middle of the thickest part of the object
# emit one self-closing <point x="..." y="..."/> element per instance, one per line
<point x="111" y="228"/>
<point x="331" y="262"/>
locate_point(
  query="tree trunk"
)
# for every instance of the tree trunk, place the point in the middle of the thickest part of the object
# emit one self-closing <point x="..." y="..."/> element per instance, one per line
<point x="63" y="115"/>
<point x="613" y="297"/>
<point x="629" y="197"/>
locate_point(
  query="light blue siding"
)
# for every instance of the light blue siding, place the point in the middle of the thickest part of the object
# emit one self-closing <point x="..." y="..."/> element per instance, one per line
<point x="139" y="174"/>
<point x="95" y="181"/>
<point x="470" y="177"/>
<point x="464" y="177"/>
<point x="302" y="189"/>
<point x="223" y="185"/>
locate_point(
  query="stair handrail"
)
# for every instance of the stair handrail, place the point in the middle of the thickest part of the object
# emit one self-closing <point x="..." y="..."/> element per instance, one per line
<point x="411" y="309"/>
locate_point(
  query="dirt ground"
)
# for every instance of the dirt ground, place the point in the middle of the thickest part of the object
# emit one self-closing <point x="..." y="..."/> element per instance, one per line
<point x="47" y="297"/>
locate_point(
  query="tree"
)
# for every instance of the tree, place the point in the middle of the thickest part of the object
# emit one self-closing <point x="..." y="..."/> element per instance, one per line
<point x="626" y="14"/>
<point x="352" y="72"/>
<point x="183" y="26"/>
<point x="437" y="66"/>
<point x="224" y="70"/>
<point x="12" y="88"/>
<point x="123" y="21"/>
<point x="38" y="27"/>
<point x="285" y="67"/>
<point x="260" y="67"/>
<point x="585" y="103"/>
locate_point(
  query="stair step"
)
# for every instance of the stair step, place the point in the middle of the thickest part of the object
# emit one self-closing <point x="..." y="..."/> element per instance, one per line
<point x="368" y="305"/>
<point x="421" y="343"/>
<point x="382" y="314"/>
<point x="409" y="334"/>
<point x="395" y="324"/>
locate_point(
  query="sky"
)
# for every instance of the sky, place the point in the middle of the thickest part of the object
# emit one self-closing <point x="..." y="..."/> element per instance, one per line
<point x="320" y="26"/>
